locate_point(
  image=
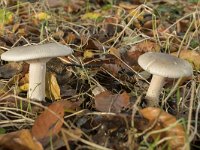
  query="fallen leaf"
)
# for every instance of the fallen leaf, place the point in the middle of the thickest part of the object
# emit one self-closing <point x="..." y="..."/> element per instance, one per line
<point x="71" y="106"/>
<point x="110" y="26"/>
<point x="70" y="38"/>
<point x="19" y="140"/>
<point x="91" y="16"/>
<point x="41" y="16"/>
<point x="75" y="132"/>
<point x="52" y="87"/>
<point x="88" y="54"/>
<point x="24" y="87"/>
<point x="191" y="56"/>
<point x="150" y="23"/>
<point x="97" y="90"/>
<point x="6" y="17"/>
<point x="10" y="69"/>
<point x="146" y="46"/>
<point x="134" y="12"/>
<point x="127" y="5"/>
<point x="109" y="102"/>
<point x="49" y="123"/>
<point x="112" y="68"/>
<point x="24" y="79"/>
<point x="91" y="43"/>
<point x="24" y="83"/>
<point x="131" y="57"/>
<point x="176" y="133"/>
<point x="58" y="34"/>
<point x="53" y="3"/>
<point x="74" y="5"/>
<point x="114" y="51"/>
<point x="22" y="32"/>
<point x="52" y="90"/>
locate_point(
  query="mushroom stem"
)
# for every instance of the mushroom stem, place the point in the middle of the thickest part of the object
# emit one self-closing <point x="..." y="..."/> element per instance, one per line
<point x="37" y="72"/>
<point x="154" y="90"/>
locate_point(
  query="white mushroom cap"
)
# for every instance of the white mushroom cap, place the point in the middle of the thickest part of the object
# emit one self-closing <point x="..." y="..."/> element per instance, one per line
<point x="165" y="65"/>
<point x="162" y="65"/>
<point x="23" y="53"/>
<point x="36" y="56"/>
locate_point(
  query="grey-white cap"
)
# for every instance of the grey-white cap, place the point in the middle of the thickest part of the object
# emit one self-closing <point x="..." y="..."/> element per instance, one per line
<point x="36" y="56"/>
<point x="165" y="65"/>
<point x="23" y="53"/>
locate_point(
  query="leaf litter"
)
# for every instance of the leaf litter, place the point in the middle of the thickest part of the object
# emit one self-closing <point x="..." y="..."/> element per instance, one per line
<point x="107" y="38"/>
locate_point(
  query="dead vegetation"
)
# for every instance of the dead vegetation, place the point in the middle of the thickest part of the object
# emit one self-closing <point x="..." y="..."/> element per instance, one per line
<point x="95" y="97"/>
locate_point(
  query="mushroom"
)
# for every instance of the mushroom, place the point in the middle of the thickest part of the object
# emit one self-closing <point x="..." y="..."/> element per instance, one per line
<point x="36" y="56"/>
<point x="161" y="66"/>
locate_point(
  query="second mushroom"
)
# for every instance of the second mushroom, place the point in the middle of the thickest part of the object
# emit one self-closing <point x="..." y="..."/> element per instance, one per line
<point x="162" y="66"/>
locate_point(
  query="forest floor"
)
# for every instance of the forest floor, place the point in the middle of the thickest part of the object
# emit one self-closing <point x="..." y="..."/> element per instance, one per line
<point x="95" y="98"/>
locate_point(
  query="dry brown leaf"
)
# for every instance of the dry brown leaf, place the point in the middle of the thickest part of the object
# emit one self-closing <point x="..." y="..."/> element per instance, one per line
<point x="127" y="5"/>
<point x="110" y="27"/>
<point x="70" y="38"/>
<point x="19" y="140"/>
<point x="72" y="105"/>
<point x="164" y="120"/>
<point x="53" y="3"/>
<point x="10" y="69"/>
<point x="58" y="34"/>
<point x="24" y="83"/>
<point x="149" y="24"/>
<point x="24" y="79"/>
<point x="146" y="46"/>
<point x="109" y="102"/>
<point x="74" y="5"/>
<point x="191" y="56"/>
<point x="49" y="123"/>
<point x="114" y="51"/>
<point x="131" y="57"/>
<point x="112" y="68"/>
<point x="75" y="132"/>
<point x="91" y="44"/>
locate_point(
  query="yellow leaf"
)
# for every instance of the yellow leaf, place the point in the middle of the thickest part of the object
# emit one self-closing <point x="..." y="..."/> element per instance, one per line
<point x="88" y="54"/>
<point x="6" y="17"/>
<point x="91" y="16"/>
<point x="191" y="56"/>
<point x="52" y="87"/>
<point x="24" y="83"/>
<point x="24" y="87"/>
<point x="42" y="16"/>
<point x="137" y="14"/>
